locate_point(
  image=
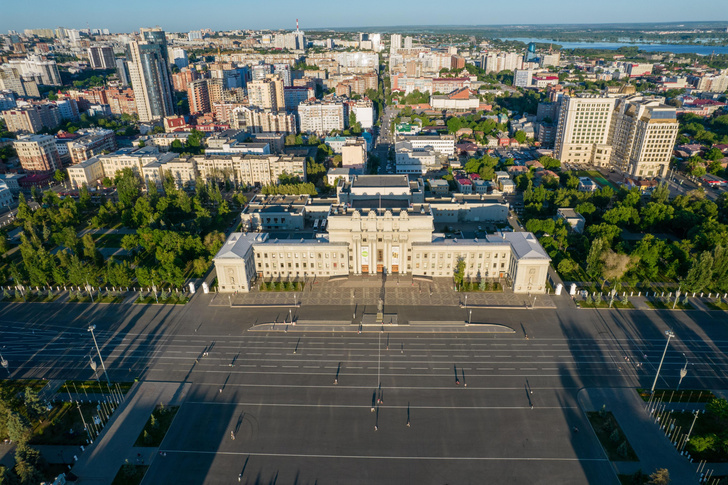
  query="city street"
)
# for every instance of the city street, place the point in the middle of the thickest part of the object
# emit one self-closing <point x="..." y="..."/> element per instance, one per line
<point x="299" y="401"/>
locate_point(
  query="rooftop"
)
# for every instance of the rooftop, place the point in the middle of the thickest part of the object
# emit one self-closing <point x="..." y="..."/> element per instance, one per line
<point x="381" y="181"/>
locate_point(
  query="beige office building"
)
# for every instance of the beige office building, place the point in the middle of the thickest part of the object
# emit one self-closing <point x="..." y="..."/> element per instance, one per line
<point x="634" y="134"/>
<point x="377" y="226"/>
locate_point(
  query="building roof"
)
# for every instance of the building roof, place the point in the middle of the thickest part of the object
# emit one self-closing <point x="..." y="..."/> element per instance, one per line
<point x="238" y="244"/>
<point x="569" y="213"/>
<point x="381" y="181"/>
<point x="525" y="245"/>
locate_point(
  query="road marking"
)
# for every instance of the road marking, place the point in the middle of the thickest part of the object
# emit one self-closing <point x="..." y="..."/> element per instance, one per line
<point x="311" y="367"/>
<point x="269" y="365"/>
<point x="383" y="457"/>
<point x="506" y="368"/>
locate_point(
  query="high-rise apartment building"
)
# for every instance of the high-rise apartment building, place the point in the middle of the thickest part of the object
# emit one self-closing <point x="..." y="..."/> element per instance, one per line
<point x="395" y="42"/>
<point x="101" y="57"/>
<point x="32" y="118"/>
<point x="321" y="116"/>
<point x="150" y="77"/>
<point x="408" y="42"/>
<point x="267" y="93"/>
<point x="501" y="61"/>
<point x="198" y="96"/>
<point x="182" y="79"/>
<point x="179" y="57"/>
<point x="122" y="71"/>
<point x="38" y="153"/>
<point x="263" y="121"/>
<point x="634" y="134"/>
<point x="41" y="70"/>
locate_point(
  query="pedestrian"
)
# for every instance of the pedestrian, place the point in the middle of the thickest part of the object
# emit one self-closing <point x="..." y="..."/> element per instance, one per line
<point x="531" y="406"/>
<point x="221" y="390"/>
<point x="457" y="382"/>
<point x="232" y="435"/>
<point x="376" y="427"/>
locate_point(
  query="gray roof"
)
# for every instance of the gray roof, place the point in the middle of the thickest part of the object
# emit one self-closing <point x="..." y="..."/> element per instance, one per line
<point x="525" y="245"/>
<point x="238" y="245"/>
<point x="381" y="181"/>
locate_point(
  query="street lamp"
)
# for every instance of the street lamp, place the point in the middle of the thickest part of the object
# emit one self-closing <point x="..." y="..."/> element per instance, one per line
<point x="470" y="317"/>
<point x="91" y="329"/>
<point x="669" y="334"/>
<point x="691" y="428"/>
<point x="677" y="295"/>
<point x="683" y="372"/>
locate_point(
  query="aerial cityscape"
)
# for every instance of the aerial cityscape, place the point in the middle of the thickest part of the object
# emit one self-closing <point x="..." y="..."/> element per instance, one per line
<point x="394" y="248"/>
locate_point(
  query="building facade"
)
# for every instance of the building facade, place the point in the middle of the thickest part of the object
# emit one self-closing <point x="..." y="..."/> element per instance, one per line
<point x="150" y="78"/>
<point x="380" y="230"/>
<point x="38" y="153"/>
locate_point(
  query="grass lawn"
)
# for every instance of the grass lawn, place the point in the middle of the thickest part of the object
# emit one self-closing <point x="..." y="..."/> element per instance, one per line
<point x="96" y="299"/>
<point x="661" y="305"/>
<point x="130" y="474"/>
<point x="109" y="240"/>
<point x="605" y="304"/>
<point x="717" y="305"/>
<point x="705" y="426"/>
<point x="611" y="436"/>
<point x="172" y="300"/>
<point x="670" y="395"/>
<point x="157" y="426"/>
<point x="93" y="387"/>
<point x="33" y="297"/>
<point x="11" y="387"/>
<point x="63" y="425"/>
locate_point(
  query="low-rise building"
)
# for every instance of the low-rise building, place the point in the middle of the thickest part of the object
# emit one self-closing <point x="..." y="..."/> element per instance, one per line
<point x="587" y="185"/>
<point x="89" y="172"/>
<point x="275" y="213"/>
<point x="418" y="161"/>
<point x="460" y="100"/>
<point x="573" y="218"/>
<point x="354" y="154"/>
<point x="92" y="142"/>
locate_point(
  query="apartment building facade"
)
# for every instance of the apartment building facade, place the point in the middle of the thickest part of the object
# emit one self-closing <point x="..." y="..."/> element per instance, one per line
<point x="38" y="153"/>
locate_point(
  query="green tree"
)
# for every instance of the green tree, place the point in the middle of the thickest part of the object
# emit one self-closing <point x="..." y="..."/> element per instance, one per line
<point x="700" y="274"/>
<point x="454" y="124"/>
<point x="594" y="260"/>
<point x="660" y="477"/>
<point x="520" y="136"/>
<point x="60" y="175"/>
<point x="128" y="187"/>
<point x="718" y="407"/>
<point x="459" y="273"/>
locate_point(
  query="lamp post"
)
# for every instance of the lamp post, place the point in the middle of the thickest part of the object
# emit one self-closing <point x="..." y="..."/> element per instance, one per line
<point x="90" y="292"/>
<point x="677" y="295"/>
<point x="691" y="429"/>
<point x="91" y="329"/>
<point x="683" y="372"/>
<point x="669" y="334"/>
<point x="466" y="301"/>
<point x="94" y="367"/>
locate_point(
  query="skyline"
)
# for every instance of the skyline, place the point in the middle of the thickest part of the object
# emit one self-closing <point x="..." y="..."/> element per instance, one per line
<point x="230" y="15"/>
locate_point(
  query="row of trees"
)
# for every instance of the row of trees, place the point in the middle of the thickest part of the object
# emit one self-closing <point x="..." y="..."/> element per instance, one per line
<point x="18" y="410"/>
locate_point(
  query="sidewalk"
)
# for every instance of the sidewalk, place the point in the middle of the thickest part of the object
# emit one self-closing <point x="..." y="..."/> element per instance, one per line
<point x="397" y="290"/>
<point x="102" y="460"/>
<point x="653" y="448"/>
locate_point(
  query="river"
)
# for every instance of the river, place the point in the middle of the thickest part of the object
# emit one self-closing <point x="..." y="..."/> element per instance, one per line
<point x="705" y="50"/>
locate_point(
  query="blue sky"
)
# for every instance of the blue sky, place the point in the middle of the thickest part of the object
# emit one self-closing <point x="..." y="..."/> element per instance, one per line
<point x="184" y="15"/>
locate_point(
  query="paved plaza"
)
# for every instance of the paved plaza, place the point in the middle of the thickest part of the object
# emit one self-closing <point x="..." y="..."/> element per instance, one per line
<point x="493" y="407"/>
<point x="396" y="290"/>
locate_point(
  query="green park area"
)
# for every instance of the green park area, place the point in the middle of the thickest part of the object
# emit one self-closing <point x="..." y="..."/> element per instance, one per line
<point x="168" y="236"/>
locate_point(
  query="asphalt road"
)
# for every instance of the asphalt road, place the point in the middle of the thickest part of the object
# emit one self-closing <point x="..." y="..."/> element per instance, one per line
<point x="293" y="423"/>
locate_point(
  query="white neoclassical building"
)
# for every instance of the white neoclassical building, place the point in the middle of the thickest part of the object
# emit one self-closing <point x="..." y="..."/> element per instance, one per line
<point x="380" y="224"/>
